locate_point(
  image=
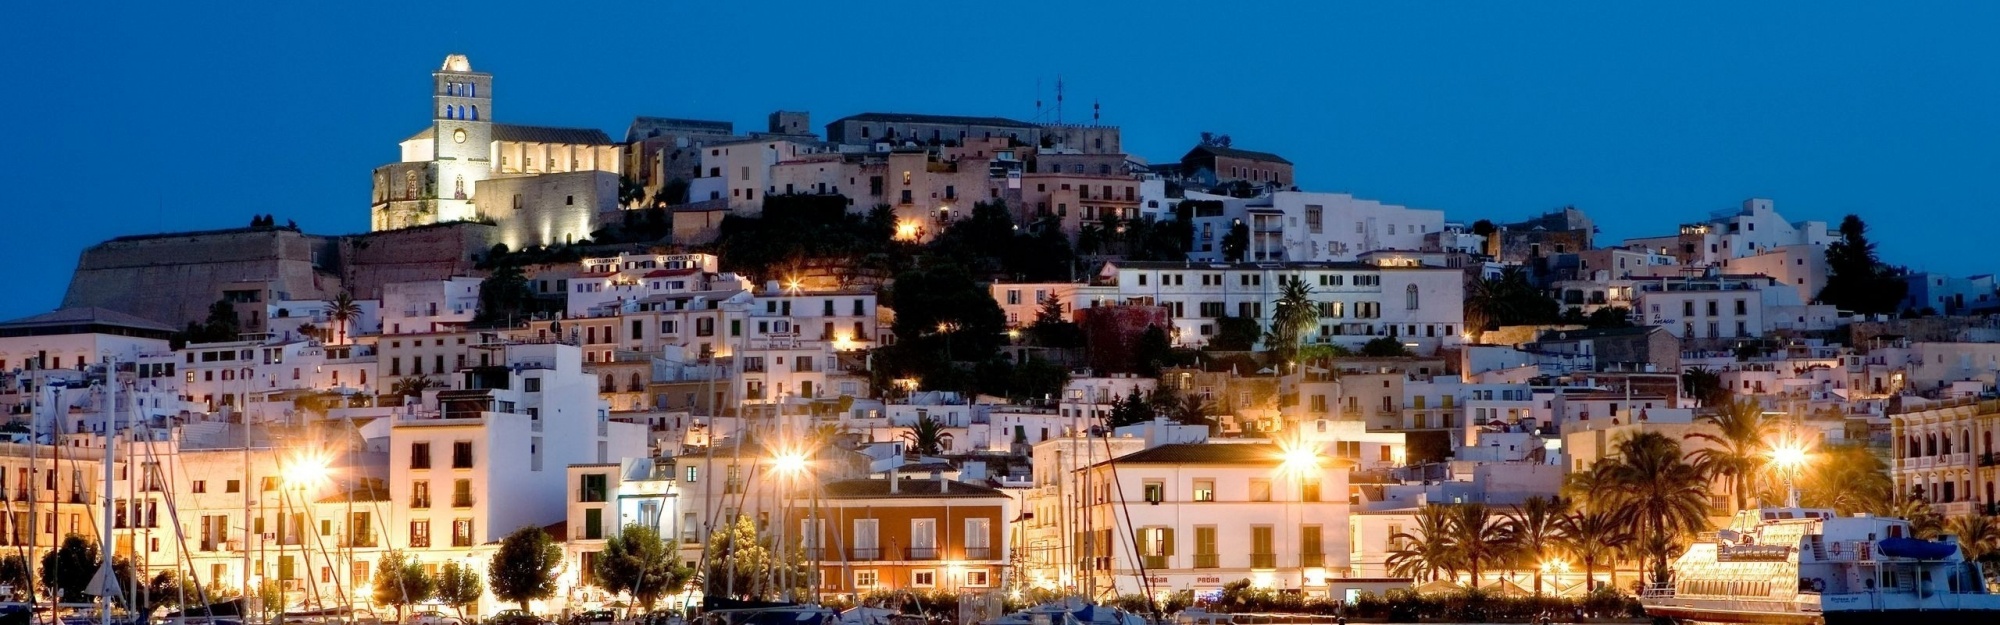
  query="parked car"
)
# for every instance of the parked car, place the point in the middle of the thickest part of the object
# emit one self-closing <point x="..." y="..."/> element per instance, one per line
<point x="515" y="617"/>
<point x="434" y="617"/>
<point x="594" y="617"/>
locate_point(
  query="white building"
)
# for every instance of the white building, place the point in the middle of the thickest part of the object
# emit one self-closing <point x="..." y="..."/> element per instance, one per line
<point x="1722" y="307"/>
<point x="1214" y="513"/>
<point x="490" y="455"/>
<point x="429" y="306"/>
<point x="1421" y="306"/>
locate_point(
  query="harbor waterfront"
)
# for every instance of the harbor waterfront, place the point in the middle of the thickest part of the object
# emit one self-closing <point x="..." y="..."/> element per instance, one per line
<point x="990" y="330"/>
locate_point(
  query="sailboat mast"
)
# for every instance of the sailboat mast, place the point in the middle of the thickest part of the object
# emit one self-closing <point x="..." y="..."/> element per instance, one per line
<point x="110" y="446"/>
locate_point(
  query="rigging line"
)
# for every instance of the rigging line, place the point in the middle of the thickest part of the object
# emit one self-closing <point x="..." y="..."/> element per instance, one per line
<point x="173" y="513"/>
<point x="319" y="540"/>
<point x="1145" y="585"/>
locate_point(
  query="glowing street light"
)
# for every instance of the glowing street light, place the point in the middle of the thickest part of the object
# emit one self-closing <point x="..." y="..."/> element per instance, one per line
<point x="790" y="463"/>
<point x="1788" y="457"/>
<point x="1300" y="457"/>
<point x="306" y="471"/>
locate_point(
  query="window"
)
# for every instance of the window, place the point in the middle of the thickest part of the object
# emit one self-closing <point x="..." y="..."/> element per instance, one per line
<point x="865" y="578"/>
<point x="1205" y="554"/>
<point x="593" y="524"/>
<point x="267" y="484"/>
<point x="1410" y="297"/>
<point x="923" y="579"/>
<point x="461" y="533"/>
<point x="232" y="486"/>
<point x="420" y="455"/>
<point x="461" y="493"/>
<point x="420" y="533"/>
<point x="1156" y="491"/>
<point x="1260" y="489"/>
<point x="1204" y="490"/>
<point x="1261" y="554"/>
<point x="461" y="455"/>
<point x="420" y="494"/>
<point x="592" y="488"/>
<point x="1309" y="489"/>
<point x="1311" y="549"/>
<point x="199" y="486"/>
<point x="979" y="578"/>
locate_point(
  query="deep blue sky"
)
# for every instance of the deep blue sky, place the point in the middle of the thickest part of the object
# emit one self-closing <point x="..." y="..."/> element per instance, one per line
<point x="179" y="116"/>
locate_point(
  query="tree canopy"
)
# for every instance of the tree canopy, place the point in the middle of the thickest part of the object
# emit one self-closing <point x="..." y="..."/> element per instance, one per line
<point x="524" y="569"/>
<point x="638" y="561"/>
<point x="1855" y="279"/>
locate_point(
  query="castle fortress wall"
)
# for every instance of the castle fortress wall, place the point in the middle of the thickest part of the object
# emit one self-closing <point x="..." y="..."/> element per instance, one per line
<point x="173" y="278"/>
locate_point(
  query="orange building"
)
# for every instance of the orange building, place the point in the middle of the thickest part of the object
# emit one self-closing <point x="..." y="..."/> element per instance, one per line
<point x="897" y="533"/>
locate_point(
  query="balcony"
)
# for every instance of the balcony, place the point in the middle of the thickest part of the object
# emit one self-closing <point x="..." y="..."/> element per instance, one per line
<point x="920" y="553"/>
<point x="864" y="554"/>
<point x="1312" y="559"/>
<point x="461" y="501"/>
<point x="1155" y="562"/>
<point x="1207" y="560"/>
<point x="978" y="553"/>
<point x="1988" y="459"/>
<point x="1263" y="560"/>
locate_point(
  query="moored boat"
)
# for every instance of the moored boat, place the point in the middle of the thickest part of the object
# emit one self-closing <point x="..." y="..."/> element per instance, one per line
<point x="1804" y="566"/>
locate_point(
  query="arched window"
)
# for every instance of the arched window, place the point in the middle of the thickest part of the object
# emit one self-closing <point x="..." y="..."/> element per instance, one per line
<point x="1930" y="444"/>
<point x="475" y="113"/>
<point x="447" y="112"/>
<point x="609" y="384"/>
<point x="1988" y="435"/>
<point x="458" y="187"/>
<point x="636" y="385"/>
<point x="1947" y="444"/>
<point x="472" y="90"/>
<point x="1965" y="444"/>
<point x="1410" y="297"/>
<point x="461" y="111"/>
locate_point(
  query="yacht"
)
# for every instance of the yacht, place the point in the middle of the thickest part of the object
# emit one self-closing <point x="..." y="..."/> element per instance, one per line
<point x="1805" y="566"/>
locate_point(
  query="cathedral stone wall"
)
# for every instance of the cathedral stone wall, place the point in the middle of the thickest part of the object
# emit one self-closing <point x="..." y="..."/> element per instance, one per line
<point x="173" y="278"/>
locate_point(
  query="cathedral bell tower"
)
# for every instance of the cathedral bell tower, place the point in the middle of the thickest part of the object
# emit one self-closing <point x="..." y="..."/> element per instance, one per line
<point x="461" y="110"/>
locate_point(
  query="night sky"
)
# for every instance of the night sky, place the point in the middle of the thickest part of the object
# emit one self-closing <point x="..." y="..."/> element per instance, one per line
<point x="181" y="116"/>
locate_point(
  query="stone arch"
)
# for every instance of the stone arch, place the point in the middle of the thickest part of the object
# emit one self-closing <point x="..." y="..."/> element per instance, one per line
<point x="475" y="113"/>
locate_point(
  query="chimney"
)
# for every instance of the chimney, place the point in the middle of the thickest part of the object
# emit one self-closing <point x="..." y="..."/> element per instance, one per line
<point x="944" y="484"/>
<point x="895" y="476"/>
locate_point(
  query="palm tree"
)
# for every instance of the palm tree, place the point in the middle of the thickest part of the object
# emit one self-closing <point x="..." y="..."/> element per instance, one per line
<point x="1737" y="446"/>
<point x="1427" y="551"/>
<point x="1925" y="522"/>
<point x="1293" y="314"/>
<point x="344" y="309"/>
<point x="1977" y="534"/>
<point x="1662" y="496"/>
<point x="1506" y="299"/>
<point x="1478" y="538"/>
<point x="1595" y="536"/>
<point x="1703" y="385"/>
<point x="926" y="436"/>
<point x="1849" y="479"/>
<point x="1534" y="529"/>
<point x="412" y="386"/>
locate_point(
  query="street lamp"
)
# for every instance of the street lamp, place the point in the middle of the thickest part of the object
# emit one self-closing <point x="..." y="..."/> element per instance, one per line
<point x="307" y="470"/>
<point x="1788" y="457"/>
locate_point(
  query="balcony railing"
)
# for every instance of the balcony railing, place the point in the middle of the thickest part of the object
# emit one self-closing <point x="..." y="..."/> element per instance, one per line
<point x="1207" y="560"/>
<point x="1988" y="459"/>
<point x="461" y="501"/>
<point x="864" y="554"/>
<point x="1263" y="560"/>
<point x="978" y="553"/>
<point x="920" y="553"/>
<point x="1155" y="562"/>
<point x="1312" y="559"/>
